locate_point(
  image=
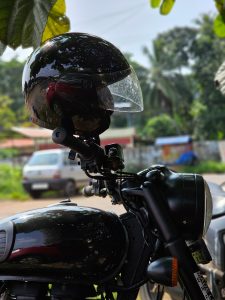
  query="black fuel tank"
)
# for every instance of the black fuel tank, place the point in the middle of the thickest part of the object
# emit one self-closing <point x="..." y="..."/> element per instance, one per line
<point x="62" y="242"/>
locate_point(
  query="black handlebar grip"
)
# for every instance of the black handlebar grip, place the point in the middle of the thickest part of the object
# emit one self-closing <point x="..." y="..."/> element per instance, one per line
<point x="60" y="136"/>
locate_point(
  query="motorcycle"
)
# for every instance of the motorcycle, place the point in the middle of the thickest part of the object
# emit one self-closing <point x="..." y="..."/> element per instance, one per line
<point x="65" y="251"/>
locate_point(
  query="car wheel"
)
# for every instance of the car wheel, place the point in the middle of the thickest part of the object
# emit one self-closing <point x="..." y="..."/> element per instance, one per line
<point x="70" y="189"/>
<point x="35" y="194"/>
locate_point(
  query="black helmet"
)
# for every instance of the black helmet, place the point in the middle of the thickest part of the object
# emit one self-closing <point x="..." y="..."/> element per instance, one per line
<point x="76" y="81"/>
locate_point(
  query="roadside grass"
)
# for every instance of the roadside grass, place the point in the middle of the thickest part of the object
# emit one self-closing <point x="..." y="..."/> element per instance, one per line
<point x="201" y="167"/>
<point x="11" y="183"/>
<point x="205" y="167"/>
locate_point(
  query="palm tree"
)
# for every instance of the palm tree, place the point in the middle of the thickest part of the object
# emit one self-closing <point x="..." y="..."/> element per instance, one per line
<point x="162" y="94"/>
<point x="166" y="90"/>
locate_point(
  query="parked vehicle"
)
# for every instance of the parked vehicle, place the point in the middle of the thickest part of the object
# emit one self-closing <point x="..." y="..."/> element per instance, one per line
<point x="52" y="170"/>
<point x="72" y="84"/>
<point x="85" y="252"/>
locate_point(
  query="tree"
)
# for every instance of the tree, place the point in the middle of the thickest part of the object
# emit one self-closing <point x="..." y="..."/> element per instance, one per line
<point x="164" y="86"/>
<point x="167" y="89"/>
<point x="10" y="85"/>
<point x="143" y="76"/>
<point x="195" y="53"/>
<point x="162" y="94"/>
<point x="7" y="116"/>
<point x="174" y="57"/>
<point x="208" y="52"/>
<point x="162" y="125"/>
<point x="174" y="47"/>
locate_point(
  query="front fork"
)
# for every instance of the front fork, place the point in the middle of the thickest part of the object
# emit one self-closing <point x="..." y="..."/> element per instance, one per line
<point x="189" y="273"/>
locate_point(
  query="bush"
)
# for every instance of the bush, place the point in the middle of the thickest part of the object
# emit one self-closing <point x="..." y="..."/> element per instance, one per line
<point x="8" y="153"/>
<point x="11" y="183"/>
<point x="205" y="167"/>
<point x="162" y="125"/>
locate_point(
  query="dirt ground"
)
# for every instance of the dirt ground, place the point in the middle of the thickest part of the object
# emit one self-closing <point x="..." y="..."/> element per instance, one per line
<point x="8" y="207"/>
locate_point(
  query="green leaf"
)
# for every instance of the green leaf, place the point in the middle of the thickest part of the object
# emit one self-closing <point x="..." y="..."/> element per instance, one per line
<point x="219" y="26"/>
<point x="155" y="3"/>
<point x="57" y="21"/>
<point x="27" y="23"/>
<point x="166" y="6"/>
<point x="219" y="5"/>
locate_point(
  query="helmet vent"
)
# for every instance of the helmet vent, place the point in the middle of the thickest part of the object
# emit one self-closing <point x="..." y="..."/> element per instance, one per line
<point x="2" y="242"/>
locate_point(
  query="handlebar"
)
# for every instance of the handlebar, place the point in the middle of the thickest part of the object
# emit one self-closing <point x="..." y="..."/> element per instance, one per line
<point x="60" y="136"/>
<point x="93" y="158"/>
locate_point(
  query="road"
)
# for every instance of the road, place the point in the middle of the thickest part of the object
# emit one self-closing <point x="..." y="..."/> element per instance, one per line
<point x="8" y="207"/>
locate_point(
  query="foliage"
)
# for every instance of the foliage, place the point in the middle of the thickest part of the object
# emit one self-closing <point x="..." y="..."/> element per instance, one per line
<point x="205" y="167"/>
<point x="29" y="23"/>
<point x="180" y="81"/>
<point x="182" y="75"/>
<point x="219" y="22"/>
<point x="10" y="183"/>
<point x="7" y="115"/>
<point x="165" y="7"/>
<point x="10" y="88"/>
<point x="8" y="153"/>
<point x="165" y="88"/>
<point x="208" y="52"/>
<point x="136" y="119"/>
<point x="162" y="125"/>
<point x="173" y="47"/>
<point x="10" y="84"/>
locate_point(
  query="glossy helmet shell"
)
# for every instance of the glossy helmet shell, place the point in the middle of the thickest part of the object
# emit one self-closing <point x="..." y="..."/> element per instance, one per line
<point x="65" y="83"/>
<point x="62" y="243"/>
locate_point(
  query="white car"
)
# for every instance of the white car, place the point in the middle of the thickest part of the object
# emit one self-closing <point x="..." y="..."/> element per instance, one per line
<point x="52" y="170"/>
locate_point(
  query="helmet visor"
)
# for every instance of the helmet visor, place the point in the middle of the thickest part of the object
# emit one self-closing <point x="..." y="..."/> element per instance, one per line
<point x="126" y="94"/>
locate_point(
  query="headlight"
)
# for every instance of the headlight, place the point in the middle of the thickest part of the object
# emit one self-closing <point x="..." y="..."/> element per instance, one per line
<point x="189" y="199"/>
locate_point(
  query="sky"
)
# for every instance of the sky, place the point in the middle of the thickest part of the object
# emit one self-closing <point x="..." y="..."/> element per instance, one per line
<point x="128" y="24"/>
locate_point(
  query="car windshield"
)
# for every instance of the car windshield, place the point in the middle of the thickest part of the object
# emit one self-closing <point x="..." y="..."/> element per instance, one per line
<point x="43" y="159"/>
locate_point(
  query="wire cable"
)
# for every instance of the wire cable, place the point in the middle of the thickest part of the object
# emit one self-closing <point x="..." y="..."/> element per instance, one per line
<point x="115" y="13"/>
<point x="122" y="21"/>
